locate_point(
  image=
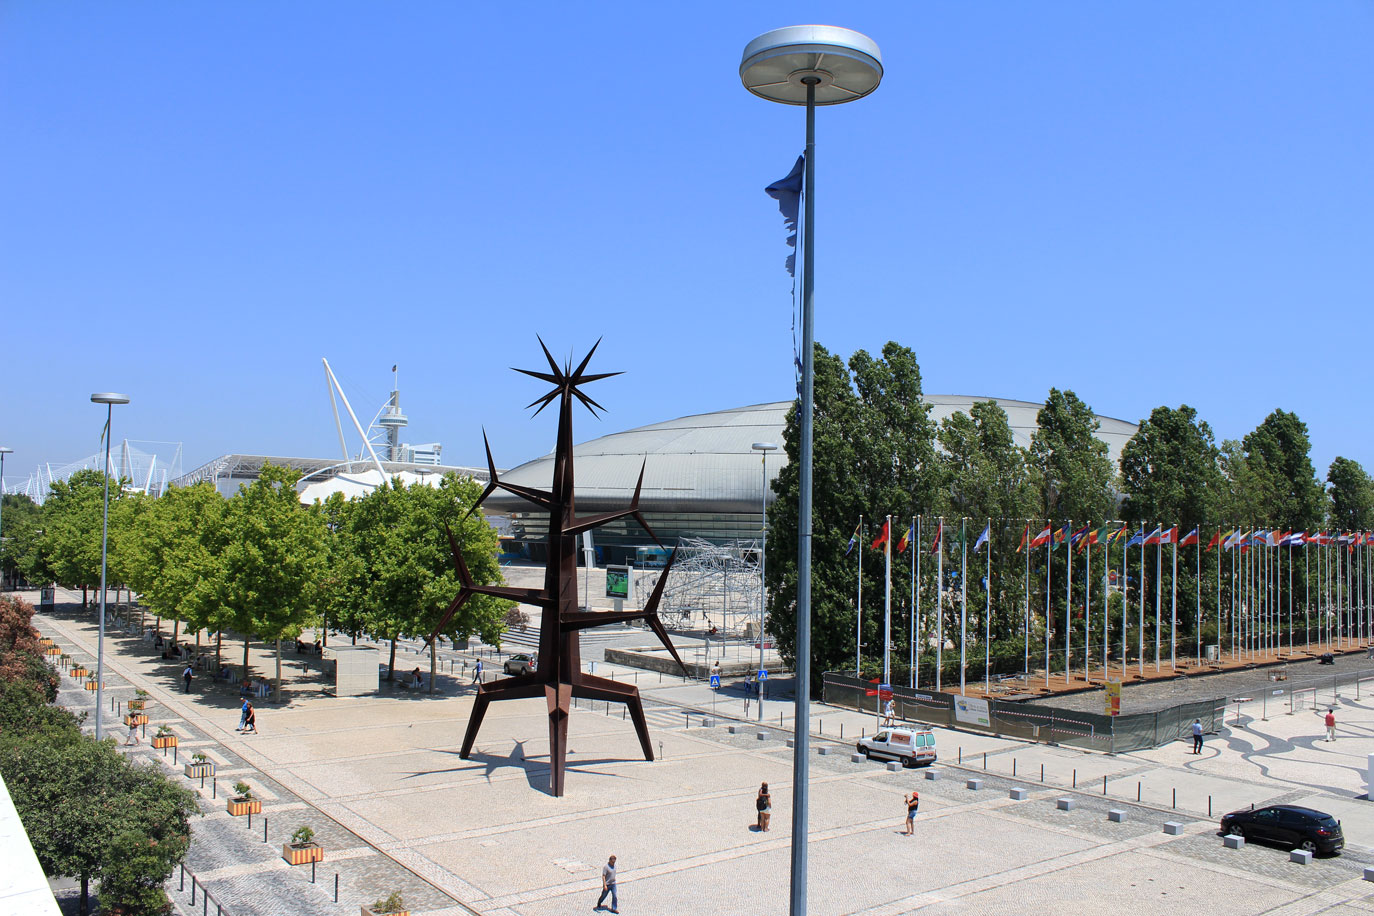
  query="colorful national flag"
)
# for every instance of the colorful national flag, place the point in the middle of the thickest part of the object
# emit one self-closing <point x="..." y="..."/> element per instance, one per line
<point x="1116" y="535"/>
<point x="906" y="538"/>
<point x="883" y="537"/>
<point x="1189" y="539"/>
<point x="1170" y="536"/>
<point x="1153" y="536"/>
<point x="853" y="539"/>
<point x="1138" y="538"/>
<point x="939" y="533"/>
<point x="982" y="538"/>
<point x="1216" y="539"/>
<point x="787" y="192"/>
<point x="1025" y="536"/>
<point x="1042" y="538"/>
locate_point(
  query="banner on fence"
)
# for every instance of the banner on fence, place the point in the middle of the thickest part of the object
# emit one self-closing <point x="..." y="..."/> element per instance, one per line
<point x="1113" y="697"/>
<point x="972" y="711"/>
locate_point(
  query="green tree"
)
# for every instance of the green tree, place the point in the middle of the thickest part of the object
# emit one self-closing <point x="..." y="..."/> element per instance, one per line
<point x="1075" y="473"/>
<point x="1352" y="495"/>
<point x="1171" y="469"/>
<point x="21" y="520"/>
<point x="1278" y="454"/>
<point x="72" y="528"/>
<point x="402" y="575"/>
<point x="272" y="561"/>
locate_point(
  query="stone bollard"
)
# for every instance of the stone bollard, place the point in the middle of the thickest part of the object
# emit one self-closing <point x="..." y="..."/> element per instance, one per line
<point x="933" y="774"/>
<point x="762" y="736"/>
<point x="1116" y="815"/>
<point x="1301" y="856"/>
<point x="894" y="766"/>
<point x="1369" y="874"/>
<point x="1064" y="804"/>
<point x="732" y="728"/>
<point x="1019" y="794"/>
<point x="823" y="750"/>
<point x="1231" y="841"/>
<point x="857" y="758"/>
<point x="707" y="723"/>
<point x="974" y="784"/>
<point x="1173" y="828"/>
<point x="791" y="742"/>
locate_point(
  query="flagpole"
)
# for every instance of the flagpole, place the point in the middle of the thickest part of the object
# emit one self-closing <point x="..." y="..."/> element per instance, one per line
<point x="1290" y="595"/>
<point x="1197" y="579"/>
<point x="1049" y="566"/>
<point x="1068" y="596"/>
<point x="963" y="601"/>
<point x="1106" y="598"/>
<point x="1307" y="596"/>
<point x="1027" y="624"/>
<point x="1141" y="628"/>
<point x="859" y="617"/>
<point x="987" y="621"/>
<point x="1087" y="604"/>
<point x="1159" y="596"/>
<point x="887" y="601"/>
<point x="1125" y="604"/>
<point x="1173" y="609"/>
<point x="939" y="603"/>
<point x="915" y="601"/>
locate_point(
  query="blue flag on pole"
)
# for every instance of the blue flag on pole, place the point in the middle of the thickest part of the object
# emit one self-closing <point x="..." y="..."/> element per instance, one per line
<point x="787" y="192"/>
<point x="982" y="538"/>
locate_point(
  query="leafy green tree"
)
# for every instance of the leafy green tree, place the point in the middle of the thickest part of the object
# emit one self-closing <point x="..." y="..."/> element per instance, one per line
<point x="21" y="520"/>
<point x="1171" y="469"/>
<point x="402" y="575"/>
<point x="1352" y="495"/>
<point x="272" y="561"/>
<point x="1075" y="472"/>
<point x="72" y="528"/>
<point x="1277" y="452"/>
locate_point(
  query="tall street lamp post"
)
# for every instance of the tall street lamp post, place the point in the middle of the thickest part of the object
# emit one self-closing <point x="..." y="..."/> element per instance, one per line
<point x="109" y="399"/>
<point x="807" y="65"/>
<point x="764" y="448"/>
<point x="3" y="452"/>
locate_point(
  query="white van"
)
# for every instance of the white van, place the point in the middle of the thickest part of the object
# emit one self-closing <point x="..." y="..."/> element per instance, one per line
<point x="912" y="746"/>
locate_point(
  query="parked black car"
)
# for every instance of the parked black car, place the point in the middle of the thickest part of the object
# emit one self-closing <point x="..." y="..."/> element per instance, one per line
<point x="1291" y="825"/>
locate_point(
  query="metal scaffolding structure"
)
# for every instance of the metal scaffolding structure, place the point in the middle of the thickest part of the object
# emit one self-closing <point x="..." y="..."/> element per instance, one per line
<point x="143" y="467"/>
<point x="710" y="585"/>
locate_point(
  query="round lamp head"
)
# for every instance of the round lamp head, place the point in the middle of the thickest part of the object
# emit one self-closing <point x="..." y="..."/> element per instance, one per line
<point x="843" y="64"/>
<point x="764" y="446"/>
<point x="109" y="397"/>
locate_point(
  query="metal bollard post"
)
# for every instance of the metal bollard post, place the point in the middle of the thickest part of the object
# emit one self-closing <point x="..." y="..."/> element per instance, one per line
<point x="985" y="760"/>
<point x="1174" y="803"/>
<point x="961" y="754"/>
<point x="264" y="828"/>
<point x="214" y="787"/>
<point x="182" y="888"/>
<point x="1042" y="772"/>
<point x="250" y="819"/>
<point x="193" y="890"/>
<point x="1209" y="806"/>
<point x="1104" y="784"/>
<point x="312" y="871"/>
<point x="1075" y="777"/>
<point x="1137" y="791"/>
<point x="336" y="887"/>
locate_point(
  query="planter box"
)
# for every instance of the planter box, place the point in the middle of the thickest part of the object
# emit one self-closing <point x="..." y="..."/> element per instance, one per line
<point x="77" y="672"/>
<point x="369" y="911"/>
<point x="50" y="649"/>
<point x="90" y="685"/>
<point x="302" y="855"/>
<point x="165" y="741"/>
<point x="239" y="807"/>
<point x="198" y="770"/>
<point x="136" y="705"/>
<point x="136" y="718"/>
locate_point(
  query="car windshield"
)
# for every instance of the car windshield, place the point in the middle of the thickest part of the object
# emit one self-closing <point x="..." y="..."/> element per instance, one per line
<point x="1328" y="821"/>
<point x="881" y="736"/>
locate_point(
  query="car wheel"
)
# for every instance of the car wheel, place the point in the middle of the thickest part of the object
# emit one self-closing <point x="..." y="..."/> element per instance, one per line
<point x="864" y="751"/>
<point x="1240" y="832"/>
<point x="1308" y="846"/>
<point x="908" y="762"/>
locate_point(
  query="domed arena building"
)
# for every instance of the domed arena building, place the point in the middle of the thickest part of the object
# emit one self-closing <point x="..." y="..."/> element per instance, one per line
<point x="702" y="477"/>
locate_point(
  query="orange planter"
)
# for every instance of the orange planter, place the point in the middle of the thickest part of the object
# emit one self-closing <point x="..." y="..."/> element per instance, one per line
<point x="198" y="770"/>
<point x="90" y="685"/>
<point x="302" y="855"/>
<point x="136" y="718"/>
<point x="239" y="807"/>
<point x="50" y="649"/>
<point x="77" y="672"/>
<point x="165" y="741"/>
<point x="369" y="911"/>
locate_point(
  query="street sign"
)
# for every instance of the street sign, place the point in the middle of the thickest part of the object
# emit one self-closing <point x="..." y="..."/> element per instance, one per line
<point x="715" y="680"/>
<point x="763" y="674"/>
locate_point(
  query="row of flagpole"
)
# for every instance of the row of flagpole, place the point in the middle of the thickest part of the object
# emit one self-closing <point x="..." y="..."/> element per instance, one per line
<point x="1255" y="579"/>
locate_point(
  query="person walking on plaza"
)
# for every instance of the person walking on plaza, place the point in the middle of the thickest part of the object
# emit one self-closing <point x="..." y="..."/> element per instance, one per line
<point x="250" y="722"/>
<point x="1197" y="736"/>
<point x="890" y="713"/>
<point x="913" y="801"/>
<point x="764" y="804"/>
<point x="477" y="672"/>
<point x="243" y="716"/>
<point x="608" y="887"/>
<point x="186" y="676"/>
<point x="1331" y="724"/>
<point x="133" y="732"/>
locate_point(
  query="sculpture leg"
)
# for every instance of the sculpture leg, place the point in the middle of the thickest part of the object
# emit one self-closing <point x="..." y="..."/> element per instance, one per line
<point x="511" y="688"/>
<point x="560" y="702"/>
<point x="479" y="711"/>
<point x="590" y="687"/>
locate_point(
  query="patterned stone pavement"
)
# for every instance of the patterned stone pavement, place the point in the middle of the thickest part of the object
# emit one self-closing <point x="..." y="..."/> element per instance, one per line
<point x="379" y="779"/>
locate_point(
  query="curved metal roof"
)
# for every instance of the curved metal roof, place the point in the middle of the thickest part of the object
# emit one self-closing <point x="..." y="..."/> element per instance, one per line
<point x="704" y="463"/>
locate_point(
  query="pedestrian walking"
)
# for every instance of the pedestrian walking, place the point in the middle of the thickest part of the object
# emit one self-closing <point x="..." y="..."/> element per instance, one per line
<point x="913" y="801"/>
<point x="608" y="887"/>
<point x="1197" y="736"/>
<point x="1331" y="724"/>
<point x="715" y="671"/>
<point x="133" y="732"/>
<point x="186" y="676"/>
<point x="749" y="683"/>
<point x="764" y="804"/>
<point x="477" y="672"/>
<point x="243" y="716"/>
<point x="250" y="723"/>
<point x="890" y="713"/>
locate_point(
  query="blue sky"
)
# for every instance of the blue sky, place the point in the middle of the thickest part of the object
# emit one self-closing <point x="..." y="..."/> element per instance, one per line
<point x="1149" y="203"/>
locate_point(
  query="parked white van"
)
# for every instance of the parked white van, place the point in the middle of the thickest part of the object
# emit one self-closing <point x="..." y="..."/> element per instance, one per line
<point x="912" y="746"/>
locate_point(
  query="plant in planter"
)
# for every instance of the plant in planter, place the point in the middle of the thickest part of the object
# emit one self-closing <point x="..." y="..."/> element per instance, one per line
<point x="140" y="700"/>
<point x="390" y="905"/>
<point x="199" y="766"/>
<point x="91" y="681"/>
<point x="78" y="671"/>
<point x="243" y="801"/>
<point x="164" y="737"/>
<point x="302" y="848"/>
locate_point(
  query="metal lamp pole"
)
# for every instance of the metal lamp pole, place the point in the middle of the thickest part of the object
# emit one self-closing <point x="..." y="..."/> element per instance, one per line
<point x="3" y="452"/>
<point x="807" y="65"/>
<point x="764" y="448"/>
<point x="109" y="399"/>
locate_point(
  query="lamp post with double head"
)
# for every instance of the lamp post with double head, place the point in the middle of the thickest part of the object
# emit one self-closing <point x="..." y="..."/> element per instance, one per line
<point x="764" y="448"/>
<point x="109" y="399"/>
<point x="807" y="65"/>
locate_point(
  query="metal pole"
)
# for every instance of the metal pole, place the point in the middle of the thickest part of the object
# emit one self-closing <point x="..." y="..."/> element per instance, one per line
<point x="939" y="602"/>
<point x="914" y="677"/>
<point x="963" y="603"/>
<point x="1068" y="596"/>
<point x="104" y="544"/>
<point x="859" y="578"/>
<point x="763" y="579"/>
<point x="887" y="602"/>
<point x="801" y="760"/>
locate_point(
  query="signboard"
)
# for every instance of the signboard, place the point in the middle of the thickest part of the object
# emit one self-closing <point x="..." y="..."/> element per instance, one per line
<point x="618" y="582"/>
<point x="763" y="674"/>
<point x="715" y="681"/>
<point x="47" y="597"/>
<point x="972" y="711"/>
<point x="1113" y="698"/>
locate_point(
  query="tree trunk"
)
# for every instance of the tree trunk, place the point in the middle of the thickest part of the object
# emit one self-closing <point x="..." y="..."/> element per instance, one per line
<point x="84" y="602"/>
<point x="324" y="631"/>
<point x="159" y="624"/>
<point x="391" y="665"/>
<point x="85" y="895"/>
<point x="245" y="659"/>
<point x="176" y="628"/>
<point x="277" y="698"/>
<point x="433" y="663"/>
<point x="219" y="641"/>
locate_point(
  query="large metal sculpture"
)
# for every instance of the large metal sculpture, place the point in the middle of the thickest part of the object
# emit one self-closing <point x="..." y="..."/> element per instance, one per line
<point x="559" y="676"/>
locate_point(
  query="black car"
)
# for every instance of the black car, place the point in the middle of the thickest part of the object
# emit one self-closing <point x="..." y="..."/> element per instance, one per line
<point x="1291" y="825"/>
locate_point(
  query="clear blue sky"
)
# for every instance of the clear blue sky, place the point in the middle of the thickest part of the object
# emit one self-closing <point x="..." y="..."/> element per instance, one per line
<point x="1149" y="203"/>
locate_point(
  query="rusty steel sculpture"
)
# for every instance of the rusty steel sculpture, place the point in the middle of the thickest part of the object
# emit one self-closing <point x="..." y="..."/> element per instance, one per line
<point x="559" y="676"/>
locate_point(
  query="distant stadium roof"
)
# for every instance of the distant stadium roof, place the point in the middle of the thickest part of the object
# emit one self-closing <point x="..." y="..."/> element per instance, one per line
<point x="350" y="477"/>
<point x="705" y="463"/>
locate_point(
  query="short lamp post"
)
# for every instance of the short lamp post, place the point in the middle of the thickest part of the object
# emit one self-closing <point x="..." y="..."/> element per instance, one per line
<point x="807" y="65"/>
<point x="109" y="399"/>
<point x="763" y="448"/>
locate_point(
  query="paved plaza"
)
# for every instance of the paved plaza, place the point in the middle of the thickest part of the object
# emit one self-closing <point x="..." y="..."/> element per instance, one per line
<point x="380" y="780"/>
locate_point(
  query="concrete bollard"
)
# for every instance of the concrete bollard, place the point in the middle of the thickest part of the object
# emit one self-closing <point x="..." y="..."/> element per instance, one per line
<point x="1369" y="874"/>
<point x="1064" y="804"/>
<point x="1301" y="856"/>
<point x="1173" y="828"/>
<point x="823" y="750"/>
<point x="857" y="758"/>
<point x="791" y="742"/>
<point x="1019" y="794"/>
<point x="974" y="784"/>
<point x="707" y="723"/>
<point x="762" y="736"/>
<point x="894" y="766"/>
<point x="733" y="728"/>
<point x="1117" y="816"/>
<point x="1232" y="841"/>
<point x="933" y="775"/>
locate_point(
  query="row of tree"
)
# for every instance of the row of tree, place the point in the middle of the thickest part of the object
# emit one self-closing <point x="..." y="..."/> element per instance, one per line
<point x="89" y="812"/>
<point x="260" y="564"/>
<point x="879" y="452"/>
